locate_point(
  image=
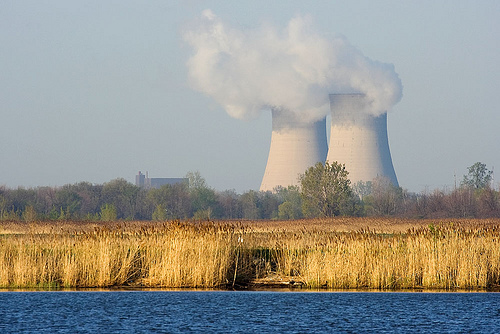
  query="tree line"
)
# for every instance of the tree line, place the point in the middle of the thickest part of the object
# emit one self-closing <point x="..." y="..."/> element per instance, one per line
<point x="324" y="191"/>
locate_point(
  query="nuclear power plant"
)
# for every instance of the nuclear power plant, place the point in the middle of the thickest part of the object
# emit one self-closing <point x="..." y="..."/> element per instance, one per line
<point x="358" y="139"/>
<point x="295" y="146"/>
<point x="293" y="70"/>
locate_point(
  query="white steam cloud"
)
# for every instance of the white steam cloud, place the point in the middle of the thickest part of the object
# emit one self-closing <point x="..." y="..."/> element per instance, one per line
<point x="292" y="69"/>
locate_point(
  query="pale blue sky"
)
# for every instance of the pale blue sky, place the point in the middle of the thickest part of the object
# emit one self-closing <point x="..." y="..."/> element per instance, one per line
<point x="95" y="90"/>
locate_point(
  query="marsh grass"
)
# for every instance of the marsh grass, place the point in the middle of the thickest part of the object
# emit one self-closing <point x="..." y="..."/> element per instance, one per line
<point x="446" y="255"/>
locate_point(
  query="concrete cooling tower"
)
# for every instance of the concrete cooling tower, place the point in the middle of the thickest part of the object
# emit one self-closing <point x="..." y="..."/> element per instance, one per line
<point x="295" y="146"/>
<point x="359" y="139"/>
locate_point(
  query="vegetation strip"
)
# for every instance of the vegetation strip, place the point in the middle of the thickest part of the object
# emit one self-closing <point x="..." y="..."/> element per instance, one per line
<point x="440" y="255"/>
<point x="324" y="191"/>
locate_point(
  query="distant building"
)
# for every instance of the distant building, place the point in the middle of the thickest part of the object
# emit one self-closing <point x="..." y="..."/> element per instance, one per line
<point x="143" y="181"/>
<point x="140" y="180"/>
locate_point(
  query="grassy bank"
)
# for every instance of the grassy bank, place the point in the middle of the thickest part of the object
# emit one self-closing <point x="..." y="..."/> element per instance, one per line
<point x="335" y="253"/>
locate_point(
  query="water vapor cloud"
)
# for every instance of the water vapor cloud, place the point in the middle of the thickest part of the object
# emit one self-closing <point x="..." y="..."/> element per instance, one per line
<point x="292" y="68"/>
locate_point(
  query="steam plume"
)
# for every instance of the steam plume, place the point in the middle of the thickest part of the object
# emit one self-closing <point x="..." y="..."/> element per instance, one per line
<point x="293" y="69"/>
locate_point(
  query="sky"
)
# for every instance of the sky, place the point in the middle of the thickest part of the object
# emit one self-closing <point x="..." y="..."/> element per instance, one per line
<point x="97" y="90"/>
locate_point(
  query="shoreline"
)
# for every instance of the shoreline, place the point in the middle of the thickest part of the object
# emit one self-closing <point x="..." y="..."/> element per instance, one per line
<point x="253" y="288"/>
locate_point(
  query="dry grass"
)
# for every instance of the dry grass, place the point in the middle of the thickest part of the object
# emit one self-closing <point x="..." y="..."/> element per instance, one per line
<point x="331" y="253"/>
<point x="349" y="224"/>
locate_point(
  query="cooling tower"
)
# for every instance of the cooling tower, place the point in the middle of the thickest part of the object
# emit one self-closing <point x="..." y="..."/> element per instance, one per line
<point x="359" y="139"/>
<point x="295" y="146"/>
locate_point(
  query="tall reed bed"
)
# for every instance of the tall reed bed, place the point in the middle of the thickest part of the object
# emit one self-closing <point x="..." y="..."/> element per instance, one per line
<point x="223" y="255"/>
<point x="171" y="255"/>
<point x="446" y="258"/>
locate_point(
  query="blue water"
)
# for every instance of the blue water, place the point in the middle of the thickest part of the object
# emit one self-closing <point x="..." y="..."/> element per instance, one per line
<point x="247" y="312"/>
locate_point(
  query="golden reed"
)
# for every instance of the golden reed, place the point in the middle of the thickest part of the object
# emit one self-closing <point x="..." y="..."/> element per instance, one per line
<point x="459" y="255"/>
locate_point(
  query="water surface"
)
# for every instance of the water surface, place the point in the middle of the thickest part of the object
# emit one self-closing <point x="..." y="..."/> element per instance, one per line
<point x="247" y="312"/>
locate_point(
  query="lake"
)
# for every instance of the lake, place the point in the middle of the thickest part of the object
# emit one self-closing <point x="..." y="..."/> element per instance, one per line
<point x="248" y="312"/>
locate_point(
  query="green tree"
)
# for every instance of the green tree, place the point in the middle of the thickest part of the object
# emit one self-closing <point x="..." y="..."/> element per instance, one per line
<point x="174" y="199"/>
<point x="68" y="201"/>
<point x="203" y="198"/>
<point x="326" y="191"/>
<point x="286" y="211"/>
<point x="478" y="176"/>
<point x="123" y="195"/>
<point x="160" y="213"/>
<point x="45" y="202"/>
<point x="291" y="203"/>
<point x="17" y="199"/>
<point x="229" y="204"/>
<point x="90" y="197"/>
<point x="108" y="212"/>
<point x="29" y="214"/>
<point x="3" y="203"/>
<point x="267" y="205"/>
<point x="249" y="202"/>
